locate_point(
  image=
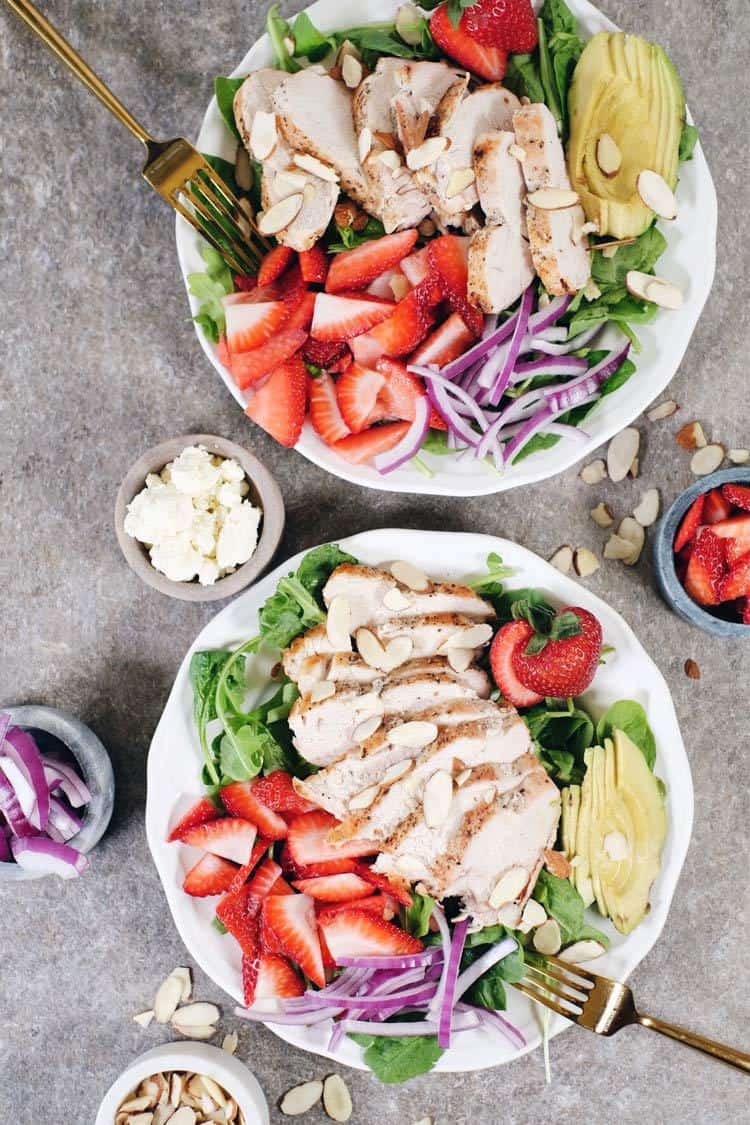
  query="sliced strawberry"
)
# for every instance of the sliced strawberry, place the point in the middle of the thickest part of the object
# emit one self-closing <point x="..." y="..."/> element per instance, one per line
<point x="222" y="352"/>
<point x="281" y="887"/>
<point x="384" y="884"/>
<point x="360" y="933"/>
<point x="515" y="635"/>
<point x="311" y="871"/>
<point x="241" y="800"/>
<point x="339" y="366"/>
<point x="334" y="888"/>
<point x="736" y="532"/>
<point x="325" y="414"/>
<point x="356" y="393"/>
<point x="744" y="611"/>
<point x="383" y="285"/>
<point x="269" y="976"/>
<point x="250" y="324"/>
<point x="416" y="267"/>
<point x="706" y="568"/>
<point x="401" y="390"/>
<point x="502" y="23"/>
<point x="487" y="62"/>
<point x="738" y="495"/>
<point x="300" y="311"/>
<point x="201" y="811"/>
<point x="736" y="584"/>
<point x="400" y="334"/>
<point x="361" y="447"/>
<point x="448" y="258"/>
<point x="366" y="349"/>
<point x="211" y="875"/>
<point x="251" y="367"/>
<point x="323" y="352"/>
<point x="355" y="269"/>
<point x="314" y="264"/>
<point x="276" y="791"/>
<point x="267" y="939"/>
<point x="264" y="878"/>
<point x="279" y="405"/>
<point x="292" y="920"/>
<point x="232" y="839"/>
<point x="342" y="318"/>
<point x="245" y="282"/>
<point x="381" y="905"/>
<point x="239" y="911"/>
<point x="691" y="522"/>
<point x="308" y="840"/>
<point x="715" y="507"/>
<point x="446" y="343"/>
<point x="260" y="847"/>
<point x="274" y="264"/>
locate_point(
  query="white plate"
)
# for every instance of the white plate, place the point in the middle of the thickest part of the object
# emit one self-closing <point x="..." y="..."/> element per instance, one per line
<point x="689" y="261"/>
<point x="175" y="761"/>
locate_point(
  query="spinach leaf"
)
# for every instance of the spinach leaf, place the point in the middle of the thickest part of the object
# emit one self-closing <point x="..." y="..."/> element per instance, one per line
<point x="561" y="735"/>
<point x="225" y="89"/>
<point x="688" y="141"/>
<point x="399" y="1059"/>
<point x="522" y="77"/>
<point x="349" y="238"/>
<point x="209" y="287"/>
<point x="643" y="254"/>
<point x="558" y="18"/>
<point x="489" y="990"/>
<point x="560" y="47"/>
<point x="563" y="903"/>
<point x="318" y="565"/>
<point x="225" y="168"/>
<point x="278" y="31"/>
<point x="623" y="313"/>
<point x="417" y="916"/>
<point x="308" y="41"/>
<point x="436" y="443"/>
<point x="629" y="717"/>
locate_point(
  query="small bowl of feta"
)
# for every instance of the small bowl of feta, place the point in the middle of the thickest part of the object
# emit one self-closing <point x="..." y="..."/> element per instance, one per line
<point x="199" y="518"/>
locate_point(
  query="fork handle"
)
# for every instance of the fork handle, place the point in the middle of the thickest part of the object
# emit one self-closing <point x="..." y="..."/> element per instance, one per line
<point x="49" y="35"/>
<point x="708" y="1046"/>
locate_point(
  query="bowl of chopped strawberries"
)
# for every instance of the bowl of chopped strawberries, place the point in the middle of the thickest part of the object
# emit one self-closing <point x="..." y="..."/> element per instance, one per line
<point x="702" y="554"/>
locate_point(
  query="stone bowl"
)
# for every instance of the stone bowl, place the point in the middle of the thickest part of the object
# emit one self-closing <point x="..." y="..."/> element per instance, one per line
<point x="49" y="726"/>
<point x="264" y="493"/>
<point x="670" y="587"/>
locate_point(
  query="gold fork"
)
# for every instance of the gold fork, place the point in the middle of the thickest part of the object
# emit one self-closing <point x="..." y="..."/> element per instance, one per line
<point x="604" y="1006"/>
<point x="174" y="168"/>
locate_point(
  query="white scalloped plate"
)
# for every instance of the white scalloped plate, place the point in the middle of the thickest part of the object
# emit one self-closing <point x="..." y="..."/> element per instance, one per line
<point x="689" y="261"/>
<point x="174" y="765"/>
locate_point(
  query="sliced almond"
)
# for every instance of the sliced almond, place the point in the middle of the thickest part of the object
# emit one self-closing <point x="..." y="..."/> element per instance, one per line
<point x="409" y="575"/>
<point x="397" y="771"/>
<point x="338" y="624"/>
<point x="547" y="938"/>
<point x="176" y="1088"/>
<point x="323" y="690"/>
<point x="631" y="530"/>
<point x="473" y="637"/>
<point x="585" y="562"/>
<point x="618" y="548"/>
<point x="691" y="436"/>
<point x="337" y="1101"/>
<point x="553" y="199"/>
<point x="395" y="600"/>
<point x="167" y="998"/>
<point x="665" y="294"/>
<point x="364" y="799"/>
<point x="438" y="794"/>
<point x="462" y="778"/>
<point x="316" y="167"/>
<point x="200" y="1031"/>
<point x="602" y="515"/>
<point x="230" y="1042"/>
<point x="162" y="1114"/>
<point x="509" y="887"/>
<point x="399" y="286"/>
<point x="398" y="651"/>
<point x="562" y="559"/>
<point x="582" y="951"/>
<point x="647" y="511"/>
<point x="143" y="1019"/>
<point x="534" y="914"/>
<point x="427" y="153"/>
<point x="692" y="670"/>
<point x="518" y="152"/>
<point x="616" y="846"/>
<point x="656" y="194"/>
<point x="367" y="728"/>
<point x="591" y="290"/>
<point x="739" y="456"/>
<point x="608" y="155"/>
<point x="707" y="460"/>
<point x="352" y="71"/>
<point x="621" y="452"/>
<point x="290" y="182"/>
<point x="459" y="181"/>
<point x="634" y="468"/>
<point x="414" y="734"/>
<point x="301" y="1098"/>
<point x="135" y="1105"/>
<point x="263" y="135"/>
<point x="279" y="216"/>
<point x="197" y="1015"/>
<point x="371" y="650"/>
<point x="556" y="863"/>
<point x="184" y="1116"/>
<point x="594" y="472"/>
<point x="664" y="410"/>
<point x="183" y="973"/>
<point x="390" y="158"/>
<point x="364" y="144"/>
<point x="460" y="658"/>
<point x="141" y="1119"/>
<point x="347" y="48"/>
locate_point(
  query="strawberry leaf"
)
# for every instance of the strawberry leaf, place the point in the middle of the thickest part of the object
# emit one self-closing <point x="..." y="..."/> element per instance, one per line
<point x="456" y="9"/>
<point x="565" y="625"/>
<point x="537" y="644"/>
<point x="534" y="608"/>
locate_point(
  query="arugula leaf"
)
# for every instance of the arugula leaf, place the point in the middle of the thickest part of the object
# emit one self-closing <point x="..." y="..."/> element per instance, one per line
<point x="225" y="89"/>
<point x="417" y="916"/>
<point x="278" y="30"/>
<point x="209" y="287"/>
<point x="629" y="716"/>
<point x="688" y="141"/>
<point x="205" y="672"/>
<point x="563" y="903"/>
<point x="242" y="753"/>
<point x="349" y="239"/>
<point x="401" y="1058"/>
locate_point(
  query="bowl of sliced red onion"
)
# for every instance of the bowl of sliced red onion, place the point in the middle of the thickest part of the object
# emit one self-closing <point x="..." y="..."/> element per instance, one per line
<point x="56" y="793"/>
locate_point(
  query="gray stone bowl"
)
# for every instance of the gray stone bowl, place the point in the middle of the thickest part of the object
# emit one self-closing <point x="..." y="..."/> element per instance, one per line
<point x="94" y="766"/>
<point x="264" y="493"/>
<point x="670" y="587"/>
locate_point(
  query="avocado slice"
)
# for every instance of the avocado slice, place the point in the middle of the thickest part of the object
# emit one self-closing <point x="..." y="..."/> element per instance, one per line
<point x="628" y="88"/>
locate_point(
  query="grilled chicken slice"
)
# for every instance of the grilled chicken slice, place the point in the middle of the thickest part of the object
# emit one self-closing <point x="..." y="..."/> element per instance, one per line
<point x="314" y="113"/>
<point x="462" y="118"/>
<point x="420" y="87"/>
<point x="375" y="596"/>
<point x="559" y="248"/>
<point x="350" y="668"/>
<point x="500" y="267"/>
<point x="491" y="827"/>
<point x="430" y="632"/>
<point x="500" y="182"/>
<point x="256" y="93"/>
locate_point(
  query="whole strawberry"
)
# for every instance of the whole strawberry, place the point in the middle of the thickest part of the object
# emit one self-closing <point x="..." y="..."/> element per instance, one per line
<point x="562" y="660"/>
<point x="502" y="23"/>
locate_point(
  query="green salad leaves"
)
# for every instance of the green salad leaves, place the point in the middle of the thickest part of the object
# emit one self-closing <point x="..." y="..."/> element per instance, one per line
<point x="629" y="717"/>
<point x="562" y="902"/>
<point x="209" y="286"/>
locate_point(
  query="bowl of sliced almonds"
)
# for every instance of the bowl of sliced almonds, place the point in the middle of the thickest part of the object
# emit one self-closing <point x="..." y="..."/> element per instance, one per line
<point x="185" y="1084"/>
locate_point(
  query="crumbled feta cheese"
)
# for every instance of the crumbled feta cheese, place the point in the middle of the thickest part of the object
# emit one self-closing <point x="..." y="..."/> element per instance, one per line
<point x="193" y="517"/>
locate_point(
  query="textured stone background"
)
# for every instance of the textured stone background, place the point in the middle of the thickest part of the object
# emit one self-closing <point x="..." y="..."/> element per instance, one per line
<point x="100" y="362"/>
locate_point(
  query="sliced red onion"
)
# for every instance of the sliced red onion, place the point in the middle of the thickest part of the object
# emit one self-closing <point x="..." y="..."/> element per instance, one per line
<point x="410" y="443"/>
<point x="549" y="347"/>
<point x="21" y="748"/>
<point x="496" y="372"/>
<point x="5" y="855"/>
<point x="439" y="382"/>
<point x="291" y="1019"/>
<point x="49" y="857"/>
<point x="571" y="433"/>
<point x="448" y="980"/>
<point x="407" y="961"/>
<point x="480" y="349"/>
<point x="462" y="1021"/>
<point x="61" y="774"/>
<point x="482" y="964"/>
<point x="4" y="724"/>
<point x="598" y="374"/>
<point x="62" y="820"/>
<point x="10" y="806"/>
<point x="458" y="427"/>
<point x="549" y="315"/>
<point x="488" y="1017"/>
<point x="565" y="365"/>
<point x="22" y="788"/>
<point x="553" y="335"/>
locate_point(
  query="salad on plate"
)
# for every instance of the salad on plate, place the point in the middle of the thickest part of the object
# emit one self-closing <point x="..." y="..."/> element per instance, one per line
<point x="455" y="203"/>
<point x="420" y="805"/>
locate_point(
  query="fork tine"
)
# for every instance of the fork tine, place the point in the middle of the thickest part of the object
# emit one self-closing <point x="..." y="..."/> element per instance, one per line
<point x="561" y="987"/>
<point x="226" y="252"/>
<point x="571" y="969"/>
<point x="199" y="192"/>
<point x="222" y="198"/>
<point x="545" y="998"/>
<point x="240" y="250"/>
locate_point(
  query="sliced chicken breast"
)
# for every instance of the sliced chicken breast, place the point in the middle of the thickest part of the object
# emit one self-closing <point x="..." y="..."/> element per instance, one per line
<point x="429" y="633"/>
<point x="420" y="87"/>
<point x="375" y="596"/>
<point x="500" y="183"/>
<point x="349" y="667"/>
<point x="500" y="267"/>
<point x="314" y="113"/>
<point x="313" y="643"/>
<point x="280" y="177"/>
<point x="543" y="161"/>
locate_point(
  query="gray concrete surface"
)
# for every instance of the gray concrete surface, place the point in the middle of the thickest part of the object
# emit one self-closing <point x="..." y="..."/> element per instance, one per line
<point x="99" y="362"/>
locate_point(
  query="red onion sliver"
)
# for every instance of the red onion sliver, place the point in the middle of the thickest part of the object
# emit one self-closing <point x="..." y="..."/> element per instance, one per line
<point x="480" y="349"/>
<point x="503" y="378"/>
<point x="483" y="963"/>
<point x="74" y="788"/>
<point x="21" y="748"/>
<point x="407" y="961"/>
<point x="410" y="443"/>
<point x="489" y="1017"/>
<point x="447" y="984"/>
<point x="48" y="857"/>
<point x="549" y="315"/>
<point x="64" y="822"/>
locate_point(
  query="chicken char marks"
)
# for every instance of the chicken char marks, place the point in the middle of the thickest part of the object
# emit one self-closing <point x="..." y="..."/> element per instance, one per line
<point x="386" y="738"/>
